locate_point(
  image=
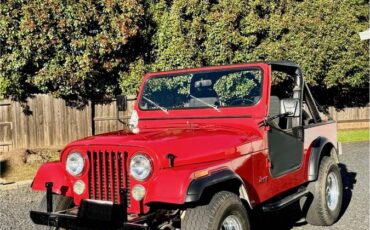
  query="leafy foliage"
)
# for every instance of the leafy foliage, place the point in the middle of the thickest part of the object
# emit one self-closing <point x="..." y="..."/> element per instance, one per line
<point x="179" y="84"/>
<point x="81" y="50"/>
<point x="170" y="92"/>
<point x="236" y="86"/>
<point x="321" y="36"/>
<point x="131" y="79"/>
<point x="73" y="49"/>
<point x="220" y="88"/>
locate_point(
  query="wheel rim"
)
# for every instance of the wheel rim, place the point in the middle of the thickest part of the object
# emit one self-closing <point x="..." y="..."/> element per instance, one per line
<point x="231" y="223"/>
<point x="332" y="191"/>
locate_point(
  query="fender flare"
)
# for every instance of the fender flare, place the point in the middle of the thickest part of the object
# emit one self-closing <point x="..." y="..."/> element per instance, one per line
<point x="197" y="186"/>
<point x="318" y="146"/>
<point x="52" y="172"/>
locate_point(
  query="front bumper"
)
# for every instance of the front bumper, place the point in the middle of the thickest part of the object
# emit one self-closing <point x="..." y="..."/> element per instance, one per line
<point x="91" y="214"/>
<point x="68" y="221"/>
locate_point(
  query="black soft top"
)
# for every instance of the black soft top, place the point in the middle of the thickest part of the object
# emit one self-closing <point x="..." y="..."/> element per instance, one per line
<point x="285" y="66"/>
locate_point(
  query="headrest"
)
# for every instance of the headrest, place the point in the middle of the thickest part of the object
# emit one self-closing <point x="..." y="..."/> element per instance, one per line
<point x="290" y="105"/>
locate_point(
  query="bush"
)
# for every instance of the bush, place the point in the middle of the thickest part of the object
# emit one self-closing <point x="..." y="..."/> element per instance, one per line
<point x="321" y="36"/>
<point x="81" y="50"/>
<point x="75" y="50"/>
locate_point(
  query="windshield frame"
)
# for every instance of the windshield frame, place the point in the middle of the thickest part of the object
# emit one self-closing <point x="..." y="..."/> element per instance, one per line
<point x="184" y="72"/>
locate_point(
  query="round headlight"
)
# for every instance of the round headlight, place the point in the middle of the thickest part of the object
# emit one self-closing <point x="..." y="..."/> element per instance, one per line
<point x="75" y="163"/>
<point x="140" y="167"/>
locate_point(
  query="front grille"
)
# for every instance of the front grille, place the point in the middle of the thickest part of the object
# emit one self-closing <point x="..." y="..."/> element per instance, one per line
<point x="107" y="175"/>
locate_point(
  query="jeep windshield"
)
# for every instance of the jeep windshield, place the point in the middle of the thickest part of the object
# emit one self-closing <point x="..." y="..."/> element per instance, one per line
<point x="214" y="89"/>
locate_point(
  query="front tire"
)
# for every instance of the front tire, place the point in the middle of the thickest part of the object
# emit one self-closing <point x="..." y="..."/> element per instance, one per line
<point x="327" y="194"/>
<point x="225" y="211"/>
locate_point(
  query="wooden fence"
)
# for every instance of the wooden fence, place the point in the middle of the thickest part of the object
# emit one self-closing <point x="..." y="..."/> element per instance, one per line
<point x="52" y="123"/>
<point x="351" y="118"/>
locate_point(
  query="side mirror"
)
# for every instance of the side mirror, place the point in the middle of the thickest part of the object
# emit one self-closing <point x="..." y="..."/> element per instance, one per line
<point x="291" y="106"/>
<point x="121" y="103"/>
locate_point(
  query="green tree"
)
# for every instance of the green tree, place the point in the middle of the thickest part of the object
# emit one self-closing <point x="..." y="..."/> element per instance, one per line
<point x="80" y="50"/>
<point x="75" y="50"/>
<point x="321" y="36"/>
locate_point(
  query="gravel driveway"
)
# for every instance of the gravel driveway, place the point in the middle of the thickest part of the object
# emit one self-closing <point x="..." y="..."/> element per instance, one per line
<point x="355" y="211"/>
<point x="15" y="204"/>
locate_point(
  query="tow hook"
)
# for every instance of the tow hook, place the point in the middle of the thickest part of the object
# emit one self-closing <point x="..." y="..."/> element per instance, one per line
<point x="49" y="197"/>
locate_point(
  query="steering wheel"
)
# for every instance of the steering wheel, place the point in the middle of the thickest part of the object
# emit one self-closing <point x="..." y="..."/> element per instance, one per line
<point x="241" y="101"/>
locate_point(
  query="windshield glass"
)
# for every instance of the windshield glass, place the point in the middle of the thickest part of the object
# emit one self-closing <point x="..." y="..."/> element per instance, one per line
<point x="214" y="89"/>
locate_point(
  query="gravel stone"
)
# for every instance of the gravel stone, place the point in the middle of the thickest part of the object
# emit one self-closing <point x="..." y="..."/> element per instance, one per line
<point x="15" y="205"/>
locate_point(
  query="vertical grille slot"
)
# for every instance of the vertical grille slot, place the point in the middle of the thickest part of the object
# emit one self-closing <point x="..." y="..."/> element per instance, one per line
<point x="101" y="175"/>
<point x="107" y="175"/>
<point x="96" y="175"/>
<point x="126" y="177"/>
<point x="114" y="175"/>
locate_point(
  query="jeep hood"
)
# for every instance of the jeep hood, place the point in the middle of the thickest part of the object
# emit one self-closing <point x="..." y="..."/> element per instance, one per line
<point x="189" y="145"/>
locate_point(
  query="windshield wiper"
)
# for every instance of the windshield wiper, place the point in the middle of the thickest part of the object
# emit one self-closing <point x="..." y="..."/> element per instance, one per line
<point x="205" y="103"/>
<point x="156" y="105"/>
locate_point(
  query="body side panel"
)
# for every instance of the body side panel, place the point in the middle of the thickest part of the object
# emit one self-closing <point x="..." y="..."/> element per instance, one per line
<point x="171" y="185"/>
<point x="316" y="138"/>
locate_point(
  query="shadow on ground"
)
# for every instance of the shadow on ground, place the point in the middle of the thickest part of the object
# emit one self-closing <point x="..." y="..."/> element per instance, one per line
<point x="292" y="216"/>
<point x="3" y="167"/>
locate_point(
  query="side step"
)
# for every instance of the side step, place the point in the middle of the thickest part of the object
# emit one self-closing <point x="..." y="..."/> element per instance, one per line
<point x="269" y="207"/>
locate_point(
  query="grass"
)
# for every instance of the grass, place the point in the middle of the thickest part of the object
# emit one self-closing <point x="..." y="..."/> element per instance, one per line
<point x="26" y="172"/>
<point x="353" y="135"/>
<point x="21" y="164"/>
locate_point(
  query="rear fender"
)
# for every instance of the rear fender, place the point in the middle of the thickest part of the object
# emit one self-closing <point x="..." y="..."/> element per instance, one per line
<point x="320" y="147"/>
<point x="52" y="172"/>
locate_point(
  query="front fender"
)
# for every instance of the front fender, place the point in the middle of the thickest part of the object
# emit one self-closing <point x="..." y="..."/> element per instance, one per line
<point x="198" y="186"/>
<point x="169" y="186"/>
<point x="52" y="172"/>
<point x="224" y="178"/>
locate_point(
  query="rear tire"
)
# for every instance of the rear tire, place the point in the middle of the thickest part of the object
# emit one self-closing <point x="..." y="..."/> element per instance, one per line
<point x="224" y="211"/>
<point x="327" y="194"/>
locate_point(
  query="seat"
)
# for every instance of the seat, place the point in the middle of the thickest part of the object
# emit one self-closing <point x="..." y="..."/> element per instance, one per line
<point x="274" y="106"/>
<point x="277" y="106"/>
<point x="289" y="104"/>
<point x="275" y="110"/>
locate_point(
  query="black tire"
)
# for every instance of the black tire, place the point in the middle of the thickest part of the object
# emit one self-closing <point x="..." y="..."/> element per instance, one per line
<point x="212" y="215"/>
<point x="60" y="203"/>
<point x="318" y="211"/>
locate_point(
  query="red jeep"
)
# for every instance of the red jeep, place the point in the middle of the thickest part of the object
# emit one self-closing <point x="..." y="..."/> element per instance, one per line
<point x="205" y="148"/>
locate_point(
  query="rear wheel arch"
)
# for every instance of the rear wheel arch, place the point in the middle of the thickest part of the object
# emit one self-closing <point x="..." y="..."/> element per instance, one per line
<point x="320" y="147"/>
